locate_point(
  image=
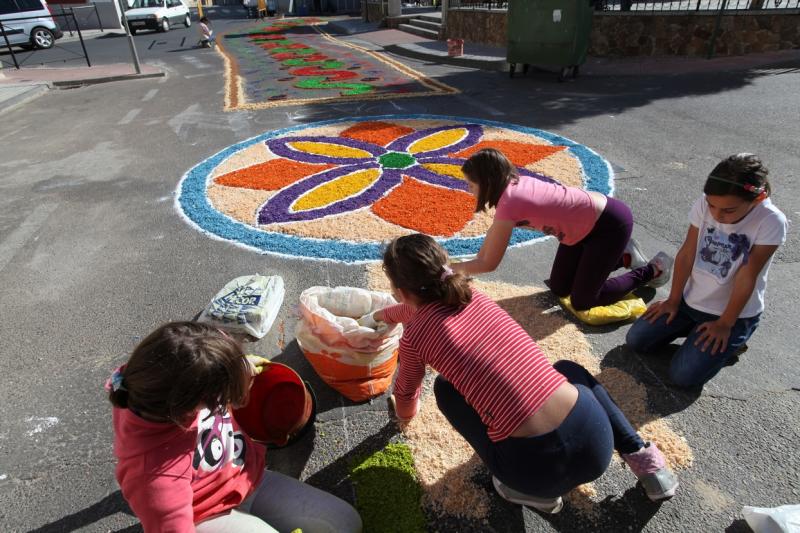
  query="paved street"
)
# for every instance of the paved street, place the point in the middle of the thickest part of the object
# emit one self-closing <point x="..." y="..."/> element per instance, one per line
<point x="93" y="256"/>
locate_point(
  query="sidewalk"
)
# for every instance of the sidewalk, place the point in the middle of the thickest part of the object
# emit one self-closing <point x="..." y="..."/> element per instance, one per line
<point x="20" y="86"/>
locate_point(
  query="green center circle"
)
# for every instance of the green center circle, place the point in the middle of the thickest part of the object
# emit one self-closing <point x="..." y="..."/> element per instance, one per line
<point x="396" y="160"/>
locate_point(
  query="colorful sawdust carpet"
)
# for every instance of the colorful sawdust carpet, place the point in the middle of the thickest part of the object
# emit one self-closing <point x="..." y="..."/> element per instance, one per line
<point x="338" y="189"/>
<point x="294" y="61"/>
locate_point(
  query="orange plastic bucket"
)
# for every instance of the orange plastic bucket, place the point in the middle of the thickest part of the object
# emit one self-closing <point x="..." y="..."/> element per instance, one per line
<point x="280" y="408"/>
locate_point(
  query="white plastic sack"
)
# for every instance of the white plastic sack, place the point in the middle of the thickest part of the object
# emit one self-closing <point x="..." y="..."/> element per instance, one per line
<point x="331" y="316"/>
<point x="783" y="519"/>
<point x="248" y="304"/>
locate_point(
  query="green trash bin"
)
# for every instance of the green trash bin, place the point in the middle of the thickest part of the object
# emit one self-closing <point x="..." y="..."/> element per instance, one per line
<point x="549" y="33"/>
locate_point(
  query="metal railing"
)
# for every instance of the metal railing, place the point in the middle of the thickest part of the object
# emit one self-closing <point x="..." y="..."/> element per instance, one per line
<point x="695" y="5"/>
<point x="478" y="4"/>
<point x="652" y="5"/>
<point x="19" y="58"/>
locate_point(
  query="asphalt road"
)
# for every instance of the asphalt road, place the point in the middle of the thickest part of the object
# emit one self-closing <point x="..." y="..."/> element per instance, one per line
<point x="93" y="256"/>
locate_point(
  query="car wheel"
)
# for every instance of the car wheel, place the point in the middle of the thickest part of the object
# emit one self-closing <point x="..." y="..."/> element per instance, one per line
<point x="187" y="21"/>
<point x="42" y="38"/>
<point x="133" y="32"/>
<point x="164" y="24"/>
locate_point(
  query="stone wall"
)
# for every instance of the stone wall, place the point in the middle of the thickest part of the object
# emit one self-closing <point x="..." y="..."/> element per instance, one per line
<point x="633" y="34"/>
<point x="689" y="34"/>
<point x="477" y="26"/>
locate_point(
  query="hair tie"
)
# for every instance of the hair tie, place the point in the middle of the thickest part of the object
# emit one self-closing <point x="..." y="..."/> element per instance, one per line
<point x="446" y="272"/>
<point x="115" y="382"/>
<point x="749" y="187"/>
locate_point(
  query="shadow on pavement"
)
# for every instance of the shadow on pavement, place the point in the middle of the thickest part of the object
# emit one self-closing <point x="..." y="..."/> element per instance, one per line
<point x="660" y="404"/>
<point x="112" y="504"/>
<point x="539" y="101"/>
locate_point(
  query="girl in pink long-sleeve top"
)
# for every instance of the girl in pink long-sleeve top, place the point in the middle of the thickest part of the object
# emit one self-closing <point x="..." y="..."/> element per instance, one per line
<point x="541" y="429"/>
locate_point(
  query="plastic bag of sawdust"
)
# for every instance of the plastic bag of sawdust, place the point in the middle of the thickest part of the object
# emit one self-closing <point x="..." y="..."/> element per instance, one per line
<point x="783" y="519"/>
<point x="357" y="361"/>
<point x="247" y="304"/>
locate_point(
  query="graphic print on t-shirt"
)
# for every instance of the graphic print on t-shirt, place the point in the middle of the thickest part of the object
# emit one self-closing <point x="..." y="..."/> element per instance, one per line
<point x="217" y="442"/>
<point x="719" y="252"/>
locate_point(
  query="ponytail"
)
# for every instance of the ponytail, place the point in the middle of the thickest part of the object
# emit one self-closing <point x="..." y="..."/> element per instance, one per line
<point x="418" y="264"/>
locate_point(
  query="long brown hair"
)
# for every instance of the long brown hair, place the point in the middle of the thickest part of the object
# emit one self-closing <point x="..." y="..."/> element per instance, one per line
<point x="182" y="366"/>
<point x="491" y="171"/>
<point x="742" y="175"/>
<point x="418" y="264"/>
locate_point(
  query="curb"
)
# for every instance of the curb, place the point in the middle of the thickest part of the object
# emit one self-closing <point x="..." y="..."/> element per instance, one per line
<point x="33" y="93"/>
<point x="68" y="84"/>
<point x="466" y="60"/>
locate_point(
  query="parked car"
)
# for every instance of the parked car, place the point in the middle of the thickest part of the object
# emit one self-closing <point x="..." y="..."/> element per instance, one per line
<point x="27" y="23"/>
<point x="157" y="15"/>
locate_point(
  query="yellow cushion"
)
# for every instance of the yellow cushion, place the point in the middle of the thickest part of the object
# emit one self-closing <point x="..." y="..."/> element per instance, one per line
<point x="630" y="307"/>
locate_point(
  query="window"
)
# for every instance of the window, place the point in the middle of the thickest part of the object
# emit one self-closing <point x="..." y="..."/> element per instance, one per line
<point x="29" y="5"/>
<point x="8" y="6"/>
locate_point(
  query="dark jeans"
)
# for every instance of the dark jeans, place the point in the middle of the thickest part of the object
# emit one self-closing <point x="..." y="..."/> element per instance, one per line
<point x="581" y="271"/>
<point x="690" y="366"/>
<point x="548" y="465"/>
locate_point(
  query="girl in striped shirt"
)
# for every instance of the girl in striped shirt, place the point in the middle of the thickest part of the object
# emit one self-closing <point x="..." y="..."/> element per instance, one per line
<point x="541" y="429"/>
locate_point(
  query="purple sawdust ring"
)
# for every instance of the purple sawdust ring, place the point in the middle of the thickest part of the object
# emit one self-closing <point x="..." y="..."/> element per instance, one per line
<point x="280" y="147"/>
<point x="427" y="176"/>
<point x="277" y="208"/>
<point x="474" y="133"/>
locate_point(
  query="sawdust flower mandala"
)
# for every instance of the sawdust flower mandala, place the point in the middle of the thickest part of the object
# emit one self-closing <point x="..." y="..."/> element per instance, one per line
<point x="336" y="189"/>
<point x="365" y="174"/>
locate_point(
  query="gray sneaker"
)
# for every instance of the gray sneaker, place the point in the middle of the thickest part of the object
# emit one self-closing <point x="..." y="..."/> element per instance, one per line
<point x="663" y="264"/>
<point x="545" y="505"/>
<point x="650" y="466"/>
<point x="635" y="254"/>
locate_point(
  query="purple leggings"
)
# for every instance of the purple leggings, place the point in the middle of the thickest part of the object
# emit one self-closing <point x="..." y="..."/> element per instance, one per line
<point x="581" y="271"/>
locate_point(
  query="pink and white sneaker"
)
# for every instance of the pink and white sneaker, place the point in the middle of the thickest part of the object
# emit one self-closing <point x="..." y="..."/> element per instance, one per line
<point x="650" y="467"/>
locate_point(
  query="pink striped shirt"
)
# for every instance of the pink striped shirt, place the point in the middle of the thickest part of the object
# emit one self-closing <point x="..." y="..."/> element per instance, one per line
<point x="483" y="352"/>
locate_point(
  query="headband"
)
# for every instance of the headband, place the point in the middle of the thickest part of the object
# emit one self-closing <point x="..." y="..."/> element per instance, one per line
<point x="749" y="187"/>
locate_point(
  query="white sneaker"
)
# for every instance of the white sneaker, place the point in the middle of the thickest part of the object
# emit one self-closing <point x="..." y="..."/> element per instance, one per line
<point x="545" y="505"/>
<point x="633" y="251"/>
<point x="663" y="264"/>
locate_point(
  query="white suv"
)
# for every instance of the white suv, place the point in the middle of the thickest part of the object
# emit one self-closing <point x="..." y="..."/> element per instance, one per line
<point x="27" y="23"/>
<point x="156" y="15"/>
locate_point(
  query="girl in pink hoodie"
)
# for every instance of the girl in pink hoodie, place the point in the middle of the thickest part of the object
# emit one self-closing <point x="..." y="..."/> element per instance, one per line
<point x="183" y="462"/>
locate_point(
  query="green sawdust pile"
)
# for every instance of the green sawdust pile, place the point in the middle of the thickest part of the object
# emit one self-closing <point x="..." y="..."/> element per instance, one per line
<point x="388" y="494"/>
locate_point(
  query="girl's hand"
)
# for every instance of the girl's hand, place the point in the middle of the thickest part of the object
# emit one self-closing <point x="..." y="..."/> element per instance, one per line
<point x="368" y="321"/>
<point x="402" y="422"/>
<point x="658" y="309"/>
<point x="715" y="335"/>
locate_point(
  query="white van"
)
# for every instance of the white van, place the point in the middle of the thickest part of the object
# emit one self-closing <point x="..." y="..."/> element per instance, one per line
<point x="157" y="15"/>
<point x="27" y="23"/>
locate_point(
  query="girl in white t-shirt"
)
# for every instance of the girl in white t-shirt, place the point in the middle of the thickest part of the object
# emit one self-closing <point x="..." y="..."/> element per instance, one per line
<point x="719" y="274"/>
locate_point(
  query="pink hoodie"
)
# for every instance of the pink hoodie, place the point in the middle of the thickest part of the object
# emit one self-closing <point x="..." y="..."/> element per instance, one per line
<point x="174" y="478"/>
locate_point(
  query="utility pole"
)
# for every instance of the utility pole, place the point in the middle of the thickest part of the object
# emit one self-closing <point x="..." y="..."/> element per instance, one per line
<point x="134" y="55"/>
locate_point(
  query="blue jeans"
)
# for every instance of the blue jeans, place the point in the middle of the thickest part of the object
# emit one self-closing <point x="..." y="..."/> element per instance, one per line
<point x="548" y="465"/>
<point x="690" y="366"/>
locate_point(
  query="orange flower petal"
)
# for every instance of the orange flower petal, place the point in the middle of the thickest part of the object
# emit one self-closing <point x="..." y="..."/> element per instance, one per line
<point x="270" y="176"/>
<point x="521" y="154"/>
<point x="421" y="207"/>
<point x="380" y="133"/>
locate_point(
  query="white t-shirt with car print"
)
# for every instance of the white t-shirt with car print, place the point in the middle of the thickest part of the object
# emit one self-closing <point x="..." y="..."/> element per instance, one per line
<point x="723" y="248"/>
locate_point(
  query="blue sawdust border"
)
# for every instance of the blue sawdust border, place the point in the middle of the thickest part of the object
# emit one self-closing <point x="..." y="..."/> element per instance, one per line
<point x="192" y="202"/>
